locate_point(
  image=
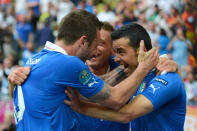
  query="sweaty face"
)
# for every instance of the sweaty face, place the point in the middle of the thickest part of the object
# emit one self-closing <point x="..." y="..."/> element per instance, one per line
<point x="104" y="51"/>
<point x="125" y="54"/>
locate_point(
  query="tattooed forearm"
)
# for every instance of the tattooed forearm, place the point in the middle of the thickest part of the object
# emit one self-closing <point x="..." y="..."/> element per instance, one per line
<point x="104" y="94"/>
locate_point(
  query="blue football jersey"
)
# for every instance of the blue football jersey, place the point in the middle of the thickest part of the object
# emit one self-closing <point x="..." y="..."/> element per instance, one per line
<point x="167" y="94"/>
<point x="88" y="123"/>
<point x="39" y="102"/>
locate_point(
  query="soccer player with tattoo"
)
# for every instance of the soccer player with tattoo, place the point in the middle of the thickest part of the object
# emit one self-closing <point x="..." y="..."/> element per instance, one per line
<point x="39" y="102"/>
<point x="159" y="103"/>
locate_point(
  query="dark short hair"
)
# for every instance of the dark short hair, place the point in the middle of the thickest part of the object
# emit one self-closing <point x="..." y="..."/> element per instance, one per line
<point x="135" y="33"/>
<point x="76" y="24"/>
<point x="107" y="26"/>
<point x="162" y="32"/>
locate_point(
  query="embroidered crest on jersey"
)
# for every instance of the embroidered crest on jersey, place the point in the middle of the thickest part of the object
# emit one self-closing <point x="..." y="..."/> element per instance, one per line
<point x="85" y="77"/>
<point x="161" y="81"/>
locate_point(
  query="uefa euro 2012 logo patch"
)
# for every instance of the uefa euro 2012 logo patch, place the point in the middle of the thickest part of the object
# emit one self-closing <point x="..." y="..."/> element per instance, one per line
<point x="85" y="77"/>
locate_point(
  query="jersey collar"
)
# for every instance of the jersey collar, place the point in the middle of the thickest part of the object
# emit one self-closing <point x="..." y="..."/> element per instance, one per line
<point x="53" y="47"/>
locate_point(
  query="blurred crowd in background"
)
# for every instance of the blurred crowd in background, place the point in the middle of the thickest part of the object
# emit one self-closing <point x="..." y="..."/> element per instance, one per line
<point x="25" y="26"/>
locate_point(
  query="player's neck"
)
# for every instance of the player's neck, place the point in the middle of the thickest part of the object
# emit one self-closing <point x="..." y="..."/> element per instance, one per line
<point x="67" y="48"/>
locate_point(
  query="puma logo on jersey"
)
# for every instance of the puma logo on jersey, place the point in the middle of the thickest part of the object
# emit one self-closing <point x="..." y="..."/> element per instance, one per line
<point x="154" y="88"/>
<point x="92" y="83"/>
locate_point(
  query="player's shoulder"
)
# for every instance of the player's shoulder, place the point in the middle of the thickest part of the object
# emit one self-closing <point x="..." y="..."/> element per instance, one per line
<point x="57" y="56"/>
<point x="171" y="76"/>
<point x="71" y="60"/>
<point x="168" y="79"/>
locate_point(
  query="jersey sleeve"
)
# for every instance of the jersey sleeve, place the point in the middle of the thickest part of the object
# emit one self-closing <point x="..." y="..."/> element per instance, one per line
<point x="162" y="89"/>
<point x="74" y="73"/>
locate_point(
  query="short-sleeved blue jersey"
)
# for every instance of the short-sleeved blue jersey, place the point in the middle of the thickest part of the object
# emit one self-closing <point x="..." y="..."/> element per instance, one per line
<point x="39" y="102"/>
<point x="167" y="94"/>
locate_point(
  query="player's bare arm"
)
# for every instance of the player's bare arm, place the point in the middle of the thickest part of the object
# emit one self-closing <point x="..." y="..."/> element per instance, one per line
<point x="120" y="94"/>
<point x="18" y="77"/>
<point x="123" y="91"/>
<point x="139" y="106"/>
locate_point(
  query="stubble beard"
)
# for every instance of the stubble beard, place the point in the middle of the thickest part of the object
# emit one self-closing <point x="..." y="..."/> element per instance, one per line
<point x="85" y="55"/>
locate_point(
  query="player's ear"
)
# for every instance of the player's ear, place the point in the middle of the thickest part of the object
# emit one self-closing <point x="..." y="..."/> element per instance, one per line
<point x="83" y="41"/>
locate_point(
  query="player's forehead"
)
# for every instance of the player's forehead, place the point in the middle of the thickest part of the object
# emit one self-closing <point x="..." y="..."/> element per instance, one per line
<point x="105" y="33"/>
<point x="121" y="43"/>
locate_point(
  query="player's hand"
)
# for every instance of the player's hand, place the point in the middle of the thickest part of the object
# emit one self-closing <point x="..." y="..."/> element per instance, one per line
<point x="17" y="77"/>
<point x="75" y="103"/>
<point x="167" y="65"/>
<point x="115" y="76"/>
<point x="147" y="59"/>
